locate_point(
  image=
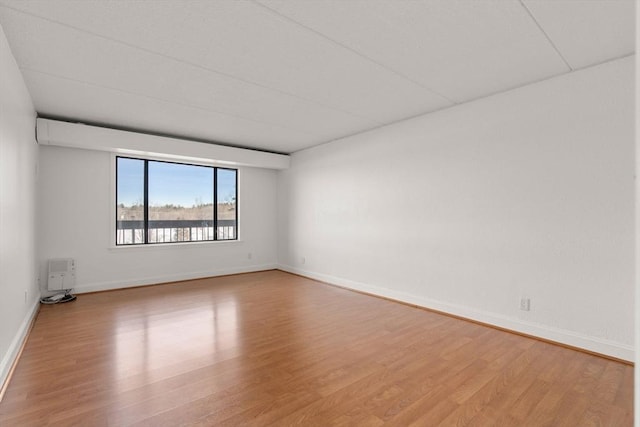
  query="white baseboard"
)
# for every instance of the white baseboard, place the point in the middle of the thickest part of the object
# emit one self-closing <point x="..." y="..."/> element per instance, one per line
<point x="154" y="280"/>
<point x="562" y="336"/>
<point x="10" y="356"/>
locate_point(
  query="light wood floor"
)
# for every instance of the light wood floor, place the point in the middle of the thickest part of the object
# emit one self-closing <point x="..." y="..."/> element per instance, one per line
<point x="274" y="348"/>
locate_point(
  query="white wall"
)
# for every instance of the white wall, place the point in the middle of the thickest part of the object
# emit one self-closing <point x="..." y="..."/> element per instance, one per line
<point x="18" y="169"/>
<point x="636" y="396"/>
<point x="525" y="193"/>
<point x="75" y="195"/>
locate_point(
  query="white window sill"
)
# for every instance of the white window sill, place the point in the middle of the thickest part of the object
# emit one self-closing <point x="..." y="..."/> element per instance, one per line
<point x="177" y="245"/>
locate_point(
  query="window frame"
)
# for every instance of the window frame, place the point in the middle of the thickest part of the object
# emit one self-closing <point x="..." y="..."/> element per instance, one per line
<point x="146" y="242"/>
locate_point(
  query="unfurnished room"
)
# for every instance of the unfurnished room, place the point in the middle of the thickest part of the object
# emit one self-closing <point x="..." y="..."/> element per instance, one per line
<point x="318" y="213"/>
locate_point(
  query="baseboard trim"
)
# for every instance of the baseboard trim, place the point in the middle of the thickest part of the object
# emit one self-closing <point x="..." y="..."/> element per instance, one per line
<point x="597" y="346"/>
<point x="10" y="359"/>
<point x="149" y="281"/>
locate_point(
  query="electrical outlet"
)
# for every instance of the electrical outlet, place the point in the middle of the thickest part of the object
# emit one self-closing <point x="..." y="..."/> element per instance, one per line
<point x="250" y="255"/>
<point x="303" y="260"/>
<point x="26" y="293"/>
<point x="525" y="304"/>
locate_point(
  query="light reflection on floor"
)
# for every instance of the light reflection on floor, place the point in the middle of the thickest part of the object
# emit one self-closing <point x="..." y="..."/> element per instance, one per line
<point x="145" y="348"/>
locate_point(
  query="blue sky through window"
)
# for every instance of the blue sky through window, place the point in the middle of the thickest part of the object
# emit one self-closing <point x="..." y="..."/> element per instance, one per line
<point x="172" y="183"/>
<point x="226" y="185"/>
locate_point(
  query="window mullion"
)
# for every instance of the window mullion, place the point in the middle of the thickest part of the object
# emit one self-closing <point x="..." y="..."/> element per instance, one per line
<point x="215" y="203"/>
<point x="146" y="202"/>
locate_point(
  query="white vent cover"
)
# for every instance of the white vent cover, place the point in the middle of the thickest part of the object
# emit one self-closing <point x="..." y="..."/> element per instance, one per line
<point x="62" y="274"/>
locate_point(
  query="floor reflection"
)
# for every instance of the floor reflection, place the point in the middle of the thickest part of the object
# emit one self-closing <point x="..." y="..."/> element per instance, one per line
<point x="147" y="345"/>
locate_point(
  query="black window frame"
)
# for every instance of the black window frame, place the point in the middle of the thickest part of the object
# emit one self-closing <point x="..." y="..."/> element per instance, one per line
<point x="146" y="204"/>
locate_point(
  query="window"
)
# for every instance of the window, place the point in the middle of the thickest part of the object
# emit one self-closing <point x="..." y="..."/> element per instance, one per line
<point x="165" y="202"/>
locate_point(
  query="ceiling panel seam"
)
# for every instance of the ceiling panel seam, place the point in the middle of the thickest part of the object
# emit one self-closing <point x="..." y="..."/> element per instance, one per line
<point x="354" y="51"/>
<point x="535" y="82"/>
<point x="546" y="35"/>
<point x="210" y="70"/>
<point x="195" y="107"/>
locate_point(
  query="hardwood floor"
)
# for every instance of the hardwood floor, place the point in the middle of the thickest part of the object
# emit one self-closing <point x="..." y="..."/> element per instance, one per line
<point x="274" y="348"/>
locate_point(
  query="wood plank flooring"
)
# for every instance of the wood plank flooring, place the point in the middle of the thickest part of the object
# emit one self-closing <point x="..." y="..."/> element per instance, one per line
<point x="272" y="348"/>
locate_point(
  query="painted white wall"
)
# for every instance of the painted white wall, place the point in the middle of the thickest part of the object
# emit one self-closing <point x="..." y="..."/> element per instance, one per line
<point x="636" y="396"/>
<point x="18" y="170"/>
<point x="76" y="215"/>
<point x="528" y="193"/>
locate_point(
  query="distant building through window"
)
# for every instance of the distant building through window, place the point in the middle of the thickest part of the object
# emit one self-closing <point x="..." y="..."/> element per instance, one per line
<point x="167" y="202"/>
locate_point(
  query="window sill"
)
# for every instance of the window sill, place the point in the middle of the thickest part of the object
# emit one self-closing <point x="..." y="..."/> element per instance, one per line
<point x="165" y="246"/>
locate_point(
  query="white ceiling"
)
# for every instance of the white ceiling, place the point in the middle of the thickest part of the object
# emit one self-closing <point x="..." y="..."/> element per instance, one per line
<point x="283" y="75"/>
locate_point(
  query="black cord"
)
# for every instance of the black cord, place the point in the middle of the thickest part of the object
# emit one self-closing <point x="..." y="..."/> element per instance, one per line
<point x="54" y="299"/>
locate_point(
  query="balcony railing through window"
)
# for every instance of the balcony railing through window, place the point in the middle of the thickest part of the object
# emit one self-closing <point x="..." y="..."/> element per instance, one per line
<point x="131" y="232"/>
